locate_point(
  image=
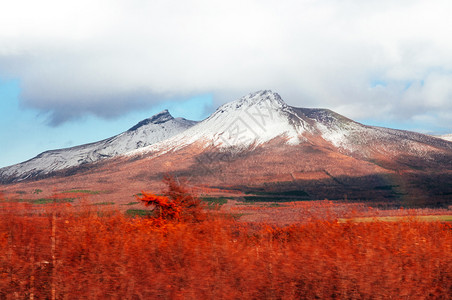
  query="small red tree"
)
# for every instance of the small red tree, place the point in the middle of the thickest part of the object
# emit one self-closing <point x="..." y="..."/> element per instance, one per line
<point x="165" y="208"/>
<point x="177" y="203"/>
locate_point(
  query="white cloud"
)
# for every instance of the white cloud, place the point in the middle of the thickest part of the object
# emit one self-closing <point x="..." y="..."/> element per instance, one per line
<point x="104" y="57"/>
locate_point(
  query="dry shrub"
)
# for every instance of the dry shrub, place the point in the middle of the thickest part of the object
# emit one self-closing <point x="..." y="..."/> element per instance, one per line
<point x="177" y="203"/>
<point x="110" y="256"/>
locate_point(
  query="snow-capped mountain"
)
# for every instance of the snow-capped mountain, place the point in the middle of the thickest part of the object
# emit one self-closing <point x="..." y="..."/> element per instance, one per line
<point x="278" y="139"/>
<point x="261" y="117"/>
<point x="147" y="132"/>
<point x="249" y="121"/>
<point x="258" y="143"/>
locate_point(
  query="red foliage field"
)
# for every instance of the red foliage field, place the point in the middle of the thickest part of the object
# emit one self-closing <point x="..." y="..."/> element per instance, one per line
<point x="84" y="253"/>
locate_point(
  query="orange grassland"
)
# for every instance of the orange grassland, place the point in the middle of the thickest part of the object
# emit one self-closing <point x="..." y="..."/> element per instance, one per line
<point x="185" y="252"/>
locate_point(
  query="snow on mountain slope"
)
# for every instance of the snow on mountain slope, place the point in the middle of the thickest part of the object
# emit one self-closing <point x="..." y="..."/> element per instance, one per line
<point x="260" y="117"/>
<point x="247" y="122"/>
<point x="149" y="131"/>
<point x="365" y="141"/>
<point x="447" y="137"/>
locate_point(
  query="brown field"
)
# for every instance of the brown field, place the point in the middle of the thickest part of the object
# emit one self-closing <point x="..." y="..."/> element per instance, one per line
<point x="88" y="249"/>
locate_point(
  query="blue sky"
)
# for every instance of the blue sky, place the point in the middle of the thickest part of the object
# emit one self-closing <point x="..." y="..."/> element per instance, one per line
<point x="73" y="72"/>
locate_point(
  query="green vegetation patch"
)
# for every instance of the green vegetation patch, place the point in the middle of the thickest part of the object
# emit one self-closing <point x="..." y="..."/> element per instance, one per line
<point x="283" y="196"/>
<point x="297" y="193"/>
<point x="37" y="191"/>
<point x="275" y="205"/>
<point x="138" y="213"/>
<point x="51" y="200"/>
<point x="385" y="187"/>
<point x="273" y="199"/>
<point x="214" y="201"/>
<point x="104" y="203"/>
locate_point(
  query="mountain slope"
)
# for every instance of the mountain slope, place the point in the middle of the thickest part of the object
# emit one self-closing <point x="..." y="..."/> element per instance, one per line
<point x="149" y="131"/>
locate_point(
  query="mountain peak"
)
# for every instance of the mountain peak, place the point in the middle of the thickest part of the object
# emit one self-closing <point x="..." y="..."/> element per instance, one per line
<point x="251" y="120"/>
<point x="259" y="98"/>
<point x="162" y="117"/>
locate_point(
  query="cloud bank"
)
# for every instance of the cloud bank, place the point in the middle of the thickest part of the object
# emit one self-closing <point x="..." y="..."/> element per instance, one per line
<point x="379" y="60"/>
